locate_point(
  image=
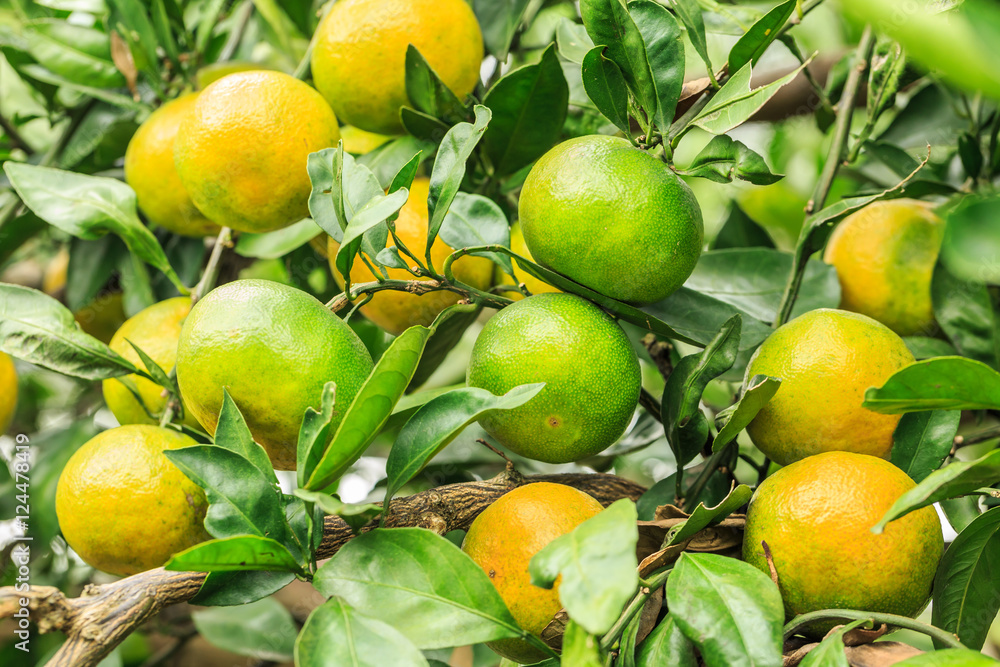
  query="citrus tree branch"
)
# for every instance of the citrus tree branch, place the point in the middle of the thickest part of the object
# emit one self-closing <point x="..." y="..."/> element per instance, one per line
<point x="802" y="620"/>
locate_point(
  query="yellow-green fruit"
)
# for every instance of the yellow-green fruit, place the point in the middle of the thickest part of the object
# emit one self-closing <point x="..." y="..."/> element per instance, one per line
<point x="8" y="391"/>
<point x="359" y="142"/>
<point x="273" y="347"/>
<point x="156" y="331"/>
<point x="611" y="217"/>
<point x="123" y="506"/>
<point x="533" y="284"/>
<point x="885" y="255"/>
<point x="103" y="316"/>
<point x="502" y="541"/>
<point x="397" y="311"/>
<point x="359" y="60"/>
<point x="211" y="73"/>
<point x="825" y="359"/>
<point x="241" y="152"/>
<point x="951" y="657"/>
<point x="591" y="373"/>
<point x="150" y="171"/>
<point x="815" y="516"/>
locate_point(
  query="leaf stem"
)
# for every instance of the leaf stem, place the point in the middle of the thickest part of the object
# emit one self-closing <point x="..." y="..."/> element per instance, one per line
<point x="646" y="588"/>
<point x="649" y="402"/>
<point x="16" y="140"/>
<point x="942" y="636"/>
<point x="977" y="437"/>
<point x="711" y="465"/>
<point x="236" y="36"/>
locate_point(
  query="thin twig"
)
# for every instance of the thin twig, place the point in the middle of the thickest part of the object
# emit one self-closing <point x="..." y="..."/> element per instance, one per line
<point x="16" y="140"/>
<point x="211" y="273"/>
<point x="634" y="607"/>
<point x="711" y="465"/>
<point x="236" y="36"/>
<point x="942" y="636"/>
<point x="976" y="438"/>
<point x="651" y="405"/>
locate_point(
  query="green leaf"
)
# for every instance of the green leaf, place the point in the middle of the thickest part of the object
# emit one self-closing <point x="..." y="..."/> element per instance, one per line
<point x="263" y="630"/>
<point x="609" y="24"/>
<point x="698" y="317"/>
<point x="326" y="204"/>
<point x="233" y="434"/>
<point x="724" y="159"/>
<point x="421" y="584"/>
<point x="439" y="422"/>
<point x="752" y="45"/>
<point x="730" y="610"/>
<point x="888" y="63"/>
<point x="689" y="12"/>
<point x="966" y="589"/>
<point x="427" y="92"/>
<point x="605" y="86"/>
<point x="703" y="517"/>
<point x="499" y="20"/>
<point x="474" y="220"/>
<point x="830" y="652"/>
<point x="942" y="383"/>
<point x="731" y="421"/>
<point x="314" y="434"/>
<point x="923" y="347"/>
<point x="970" y="247"/>
<point x="88" y="207"/>
<point x="387" y="160"/>
<point x="597" y="563"/>
<point x="421" y="126"/>
<point x="954" y="480"/>
<point x="158" y="375"/>
<point x="375" y="212"/>
<point x="37" y="328"/>
<point x="740" y="231"/>
<point x="960" y="512"/>
<point x="661" y="35"/>
<point x="449" y="327"/>
<point x="355" y="516"/>
<point x="685" y="425"/>
<point x="131" y="20"/>
<point x="371" y="407"/>
<point x="922" y="441"/>
<point x="736" y="102"/>
<point x="272" y="245"/>
<point x="223" y="589"/>
<point x="573" y="41"/>
<point x="529" y="108"/>
<point x="39" y="73"/>
<point x="234" y="554"/>
<point x="449" y="168"/>
<point x="966" y="313"/>
<point x="336" y="635"/>
<point x="290" y="41"/>
<point x="580" y="648"/>
<point x="666" y="645"/>
<point x="73" y="51"/>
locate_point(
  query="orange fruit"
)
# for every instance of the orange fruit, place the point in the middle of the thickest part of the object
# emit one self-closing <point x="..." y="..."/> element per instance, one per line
<point x="359" y="59"/>
<point x="611" y="217"/>
<point x="397" y="311"/>
<point x="503" y="539"/>
<point x="815" y="516"/>
<point x="123" y="506"/>
<point x="8" y="391"/>
<point x="103" y="316"/>
<point x="273" y="347"/>
<point x="150" y="171"/>
<point x="533" y="284"/>
<point x="885" y="256"/>
<point x="241" y="151"/>
<point x="825" y="359"/>
<point x="591" y="373"/>
<point x="359" y="142"/>
<point x="156" y="331"/>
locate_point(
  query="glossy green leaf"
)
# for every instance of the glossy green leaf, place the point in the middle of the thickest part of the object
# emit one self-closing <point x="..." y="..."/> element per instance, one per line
<point x="289" y="39"/>
<point x="970" y="247"/>
<point x="37" y="328"/>
<point x="966" y="314"/>
<point x="573" y="41"/>
<point x="336" y="635"/>
<point x="439" y="422"/>
<point x="45" y="76"/>
<point x="961" y="511"/>
<point x="88" y="207"/>
<point x="954" y="480"/>
<point x="609" y="24"/>
<point x="326" y="172"/>
<point x="740" y="231"/>
<point x="830" y="652"/>
<point x="105" y="131"/>
<point x="698" y="317"/>
<point x="427" y="92"/>
<point x="474" y="220"/>
<point x="597" y="563"/>
<point x="661" y="35"/>
<point x="888" y="63"/>
<point x="263" y="630"/>
<point x="371" y="407"/>
<point x="605" y="86"/>
<point x="375" y="212"/>
<point x="731" y="421"/>
<point x="233" y="554"/>
<point x="922" y="347"/>
<point x="73" y="51"/>
<point x="272" y="245"/>
<point x="421" y="584"/>
<point x="752" y="45"/>
<point x="529" y="108"/>
<point x="158" y="375"/>
<point x="314" y="434"/>
<point x="580" y="648"/>
<point x="942" y="383"/>
<point x="132" y="20"/>
<point x="666" y="645"/>
<point x="736" y="102"/>
<point x="689" y="12"/>
<point x="422" y="126"/>
<point x="355" y="516"/>
<point x="703" y="517"/>
<point x="387" y="160"/>
<point x="449" y="327"/>
<point x="499" y="20"/>
<point x="724" y="159"/>
<point x="730" y="610"/>
<point x="922" y="441"/>
<point x="224" y="589"/>
<point x="233" y="434"/>
<point x="449" y="168"/>
<point x="966" y="588"/>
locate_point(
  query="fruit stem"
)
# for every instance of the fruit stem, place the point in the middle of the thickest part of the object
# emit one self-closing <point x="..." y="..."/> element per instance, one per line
<point x="208" y="277"/>
<point x="976" y="438"/>
<point x="646" y="588"/>
<point x="941" y="636"/>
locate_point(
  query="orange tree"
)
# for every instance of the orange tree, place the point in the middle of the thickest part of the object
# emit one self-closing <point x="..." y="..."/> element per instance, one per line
<point x="677" y="171"/>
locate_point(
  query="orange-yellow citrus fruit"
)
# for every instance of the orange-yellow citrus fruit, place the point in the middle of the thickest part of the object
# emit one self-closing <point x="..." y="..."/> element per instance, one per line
<point x="273" y="347"/>
<point x="591" y="373"/>
<point x="54" y="278"/>
<point x="825" y="359"/>
<point x="150" y="170"/>
<point x="533" y="284"/>
<point x="885" y="256"/>
<point x="502" y="541"/>
<point x="816" y="517"/>
<point x="397" y="311"/>
<point x="123" y="506"/>
<point x="241" y="151"/>
<point x="103" y="316"/>
<point x="359" y="142"/>
<point x="359" y="60"/>
<point x="8" y="391"/>
<point x="611" y="217"/>
<point x="156" y="331"/>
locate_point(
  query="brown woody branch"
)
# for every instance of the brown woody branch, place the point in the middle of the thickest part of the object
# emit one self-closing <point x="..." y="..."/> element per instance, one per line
<point x="100" y="619"/>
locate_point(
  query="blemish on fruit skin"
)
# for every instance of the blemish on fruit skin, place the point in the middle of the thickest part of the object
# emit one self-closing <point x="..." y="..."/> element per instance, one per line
<point x="493" y="573"/>
<point x="554" y="422"/>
